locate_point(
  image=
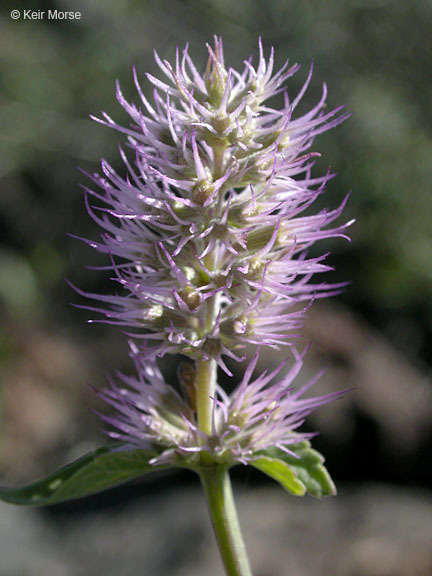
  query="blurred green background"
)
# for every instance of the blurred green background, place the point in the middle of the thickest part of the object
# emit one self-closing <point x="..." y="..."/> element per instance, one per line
<point x="376" y="58"/>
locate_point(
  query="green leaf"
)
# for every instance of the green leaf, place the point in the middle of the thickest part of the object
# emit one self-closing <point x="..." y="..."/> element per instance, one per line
<point x="281" y="472"/>
<point x="307" y="469"/>
<point x="101" y="469"/>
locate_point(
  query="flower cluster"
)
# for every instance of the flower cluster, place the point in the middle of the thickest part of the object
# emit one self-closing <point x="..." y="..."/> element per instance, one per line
<point x="209" y="222"/>
<point x="259" y="414"/>
<point x="208" y="235"/>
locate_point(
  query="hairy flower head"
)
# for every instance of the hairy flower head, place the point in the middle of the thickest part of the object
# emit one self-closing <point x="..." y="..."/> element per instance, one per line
<point x="207" y="231"/>
<point x="261" y="413"/>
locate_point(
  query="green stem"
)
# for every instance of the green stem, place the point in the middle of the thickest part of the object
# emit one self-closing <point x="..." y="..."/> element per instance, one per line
<point x="206" y="389"/>
<point x="220" y="501"/>
<point x="218" y="162"/>
<point x="215" y="479"/>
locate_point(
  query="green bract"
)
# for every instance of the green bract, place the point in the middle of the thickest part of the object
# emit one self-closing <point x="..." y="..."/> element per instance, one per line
<point x="306" y="473"/>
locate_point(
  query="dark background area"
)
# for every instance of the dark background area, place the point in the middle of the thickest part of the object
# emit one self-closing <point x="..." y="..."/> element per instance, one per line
<point x="375" y="57"/>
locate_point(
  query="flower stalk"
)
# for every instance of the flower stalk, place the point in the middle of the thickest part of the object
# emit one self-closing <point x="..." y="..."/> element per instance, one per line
<point x="217" y="488"/>
<point x="205" y="394"/>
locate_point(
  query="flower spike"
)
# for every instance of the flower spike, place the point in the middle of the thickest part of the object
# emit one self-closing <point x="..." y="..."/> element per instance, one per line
<point x="212" y="211"/>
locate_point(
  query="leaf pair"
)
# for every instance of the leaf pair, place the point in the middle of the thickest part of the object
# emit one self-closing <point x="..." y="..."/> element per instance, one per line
<point x="107" y="467"/>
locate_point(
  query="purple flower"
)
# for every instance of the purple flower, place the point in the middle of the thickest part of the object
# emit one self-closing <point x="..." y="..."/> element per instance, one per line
<point x="260" y="413"/>
<point x="207" y="232"/>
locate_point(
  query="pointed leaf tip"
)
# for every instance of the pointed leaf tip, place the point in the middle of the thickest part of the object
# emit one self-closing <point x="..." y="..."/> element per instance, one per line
<point x="99" y="470"/>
